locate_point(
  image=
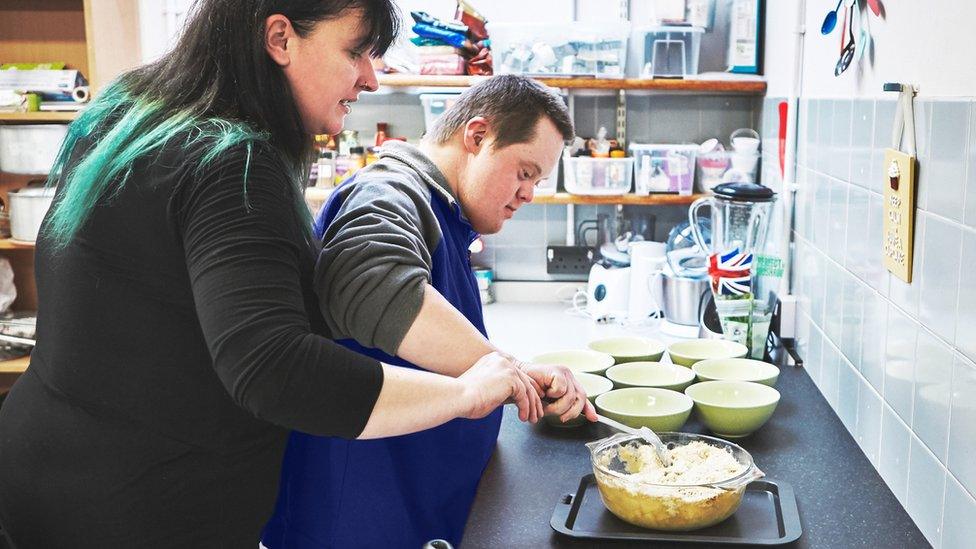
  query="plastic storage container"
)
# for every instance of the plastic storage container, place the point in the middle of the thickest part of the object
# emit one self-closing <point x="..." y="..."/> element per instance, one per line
<point x="719" y="167"/>
<point x="30" y="148"/>
<point x="664" y="168"/>
<point x="434" y="105"/>
<point x="597" y="176"/>
<point x="574" y="48"/>
<point x="664" y="52"/>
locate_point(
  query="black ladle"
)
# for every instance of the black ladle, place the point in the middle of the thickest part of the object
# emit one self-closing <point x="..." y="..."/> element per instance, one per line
<point x="830" y="21"/>
<point x="847" y="54"/>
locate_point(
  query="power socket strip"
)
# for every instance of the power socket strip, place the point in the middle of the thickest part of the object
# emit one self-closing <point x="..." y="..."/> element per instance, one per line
<point x="572" y="260"/>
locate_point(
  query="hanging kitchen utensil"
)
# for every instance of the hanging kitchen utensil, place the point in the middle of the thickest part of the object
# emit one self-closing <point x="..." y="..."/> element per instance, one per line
<point x="899" y="187"/>
<point x="876" y="7"/>
<point x="863" y="36"/>
<point x="830" y="21"/>
<point x="847" y="53"/>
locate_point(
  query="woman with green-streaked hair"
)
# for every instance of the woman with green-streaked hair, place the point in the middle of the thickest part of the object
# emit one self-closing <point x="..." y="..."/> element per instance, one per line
<point x="176" y="326"/>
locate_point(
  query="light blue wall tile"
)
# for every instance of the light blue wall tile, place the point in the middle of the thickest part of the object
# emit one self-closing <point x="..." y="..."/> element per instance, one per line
<point x="821" y="210"/>
<point x="526" y="228"/>
<point x="905" y="294"/>
<point x="926" y="488"/>
<point x="876" y="274"/>
<point x="839" y="163"/>
<point x="847" y="389"/>
<point x="884" y="118"/>
<point x="807" y="138"/>
<point x="817" y="285"/>
<point x="814" y="358"/>
<point x="802" y="203"/>
<point x="834" y="301"/>
<point x="858" y="255"/>
<point x="970" y="209"/>
<point x="821" y="153"/>
<point x="829" y="373"/>
<point x="945" y="176"/>
<point x="520" y="263"/>
<point x="862" y="138"/>
<point x="893" y="459"/>
<point x="959" y="520"/>
<point x="837" y="221"/>
<point x="923" y="137"/>
<point x="933" y="381"/>
<point x="966" y="321"/>
<point x="873" y="340"/>
<point x="868" y="434"/>
<point x="851" y="318"/>
<point x="900" y="363"/>
<point x="938" y="300"/>
<point x="962" y="423"/>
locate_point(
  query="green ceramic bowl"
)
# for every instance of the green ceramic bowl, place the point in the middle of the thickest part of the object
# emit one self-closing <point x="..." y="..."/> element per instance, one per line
<point x="651" y="374"/>
<point x="594" y="386"/>
<point x="733" y="409"/>
<point x="629" y="349"/>
<point x="688" y="352"/>
<point x="736" y="369"/>
<point x="659" y="409"/>
<point x="578" y="360"/>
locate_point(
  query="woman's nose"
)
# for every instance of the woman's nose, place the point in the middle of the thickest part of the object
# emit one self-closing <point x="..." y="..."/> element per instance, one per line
<point x="367" y="78"/>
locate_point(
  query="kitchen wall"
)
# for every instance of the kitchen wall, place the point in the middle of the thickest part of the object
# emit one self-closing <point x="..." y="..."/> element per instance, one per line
<point x="897" y="361"/>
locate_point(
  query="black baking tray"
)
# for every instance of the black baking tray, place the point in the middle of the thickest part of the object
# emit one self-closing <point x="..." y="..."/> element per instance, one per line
<point x="767" y="516"/>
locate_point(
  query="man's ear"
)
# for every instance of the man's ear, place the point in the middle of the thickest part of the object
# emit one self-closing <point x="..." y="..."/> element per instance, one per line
<point x="277" y="32"/>
<point x="475" y="133"/>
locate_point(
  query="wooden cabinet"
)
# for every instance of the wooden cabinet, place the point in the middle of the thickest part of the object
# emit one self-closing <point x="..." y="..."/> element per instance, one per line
<point x="98" y="38"/>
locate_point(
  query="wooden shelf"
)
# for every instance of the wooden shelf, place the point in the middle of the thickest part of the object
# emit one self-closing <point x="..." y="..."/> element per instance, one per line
<point x="11" y="244"/>
<point x="44" y="116"/>
<point x="14" y="365"/>
<point x="753" y="87"/>
<point x="625" y="199"/>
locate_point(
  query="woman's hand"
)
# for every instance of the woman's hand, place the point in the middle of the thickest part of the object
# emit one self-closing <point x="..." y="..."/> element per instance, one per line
<point x="496" y="379"/>
<point x="563" y="392"/>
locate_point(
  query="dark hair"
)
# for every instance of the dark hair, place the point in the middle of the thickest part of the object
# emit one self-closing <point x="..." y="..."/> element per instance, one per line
<point x="218" y="83"/>
<point x="512" y="104"/>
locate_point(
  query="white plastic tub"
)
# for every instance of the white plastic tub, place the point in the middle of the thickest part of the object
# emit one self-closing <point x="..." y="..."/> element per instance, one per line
<point x="27" y="209"/>
<point x="664" y="52"/>
<point x="31" y="148"/>
<point x="572" y="48"/>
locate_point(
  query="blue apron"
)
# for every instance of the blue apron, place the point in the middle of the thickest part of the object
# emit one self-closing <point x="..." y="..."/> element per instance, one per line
<point x="400" y="491"/>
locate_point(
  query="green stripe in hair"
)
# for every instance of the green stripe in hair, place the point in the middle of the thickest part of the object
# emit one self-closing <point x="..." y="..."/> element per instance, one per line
<point x="141" y="127"/>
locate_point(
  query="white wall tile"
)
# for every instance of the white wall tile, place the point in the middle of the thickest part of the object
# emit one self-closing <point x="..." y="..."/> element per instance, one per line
<point x="817" y="283"/>
<point x="962" y="423"/>
<point x="900" y="363"/>
<point x="945" y="174"/>
<point x="966" y="322"/>
<point x="868" y="434"/>
<point x="813" y="360"/>
<point x="926" y="488"/>
<point x="933" y="381"/>
<point x="959" y="520"/>
<point x="821" y="210"/>
<point x="834" y="300"/>
<point x="923" y="140"/>
<point x="820" y="155"/>
<point x="893" y="459"/>
<point x="852" y="317"/>
<point x="938" y="300"/>
<point x="905" y="294"/>
<point x="847" y="395"/>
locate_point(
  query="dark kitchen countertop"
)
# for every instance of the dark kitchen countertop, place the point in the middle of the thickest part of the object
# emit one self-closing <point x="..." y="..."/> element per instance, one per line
<point x="842" y="500"/>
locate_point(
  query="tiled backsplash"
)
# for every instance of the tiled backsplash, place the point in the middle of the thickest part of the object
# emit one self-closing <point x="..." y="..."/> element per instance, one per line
<point x="895" y="360"/>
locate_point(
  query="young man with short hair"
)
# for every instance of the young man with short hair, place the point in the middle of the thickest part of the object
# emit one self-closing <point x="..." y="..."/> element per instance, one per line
<point x="395" y="282"/>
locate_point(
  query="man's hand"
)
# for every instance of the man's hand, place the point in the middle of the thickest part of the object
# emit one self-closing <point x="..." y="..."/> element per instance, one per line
<point x="560" y="388"/>
<point x="496" y="379"/>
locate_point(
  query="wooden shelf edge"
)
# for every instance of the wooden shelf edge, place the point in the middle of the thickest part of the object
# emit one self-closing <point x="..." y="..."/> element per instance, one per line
<point x="626" y="199"/>
<point x="11" y="244"/>
<point x="15" y="365"/>
<point x="757" y="87"/>
<point x="60" y="116"/>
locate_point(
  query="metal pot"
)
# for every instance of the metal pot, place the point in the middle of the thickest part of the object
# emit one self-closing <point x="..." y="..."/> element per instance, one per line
<point x="27" y="209"/>
<point x="682" y="297"/>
